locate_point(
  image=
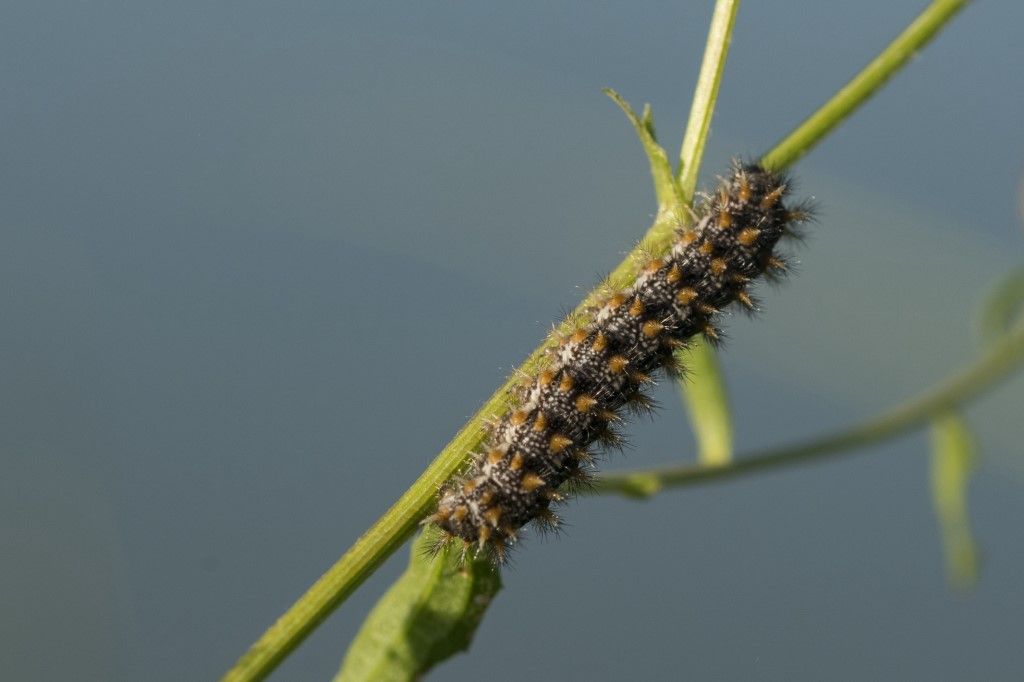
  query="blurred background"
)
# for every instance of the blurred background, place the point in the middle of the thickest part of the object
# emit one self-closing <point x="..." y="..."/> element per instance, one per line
<point x="261" y="260"/>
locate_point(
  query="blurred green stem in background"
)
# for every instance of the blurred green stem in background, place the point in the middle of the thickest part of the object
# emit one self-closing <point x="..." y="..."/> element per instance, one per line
<point x="953" y="460"/>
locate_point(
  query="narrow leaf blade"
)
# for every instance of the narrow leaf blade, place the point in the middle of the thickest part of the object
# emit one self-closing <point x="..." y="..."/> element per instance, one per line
<point x="666" y="189"/>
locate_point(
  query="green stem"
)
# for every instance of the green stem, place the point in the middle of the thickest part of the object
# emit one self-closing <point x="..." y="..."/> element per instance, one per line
<point x="955" y="390"/>
<point x="399" y="522"/>
<point x="707" y="402"/>
<point x="706" y="93"/>
<point x="863" y="85"/>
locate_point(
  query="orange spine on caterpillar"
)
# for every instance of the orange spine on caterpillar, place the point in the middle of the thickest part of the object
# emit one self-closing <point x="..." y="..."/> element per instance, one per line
<point x="542" y="447"/>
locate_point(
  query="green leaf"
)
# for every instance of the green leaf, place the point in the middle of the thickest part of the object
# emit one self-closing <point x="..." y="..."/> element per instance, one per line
<point x="1002" y="307"/>
<point x="952" y="461"/>
<point x="429" y="614"/>
<point x="666" y="189"/>
<point x="708" y="404"/>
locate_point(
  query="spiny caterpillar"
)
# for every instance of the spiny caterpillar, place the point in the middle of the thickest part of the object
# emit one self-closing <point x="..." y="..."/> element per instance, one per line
<point x="540" y="449"/>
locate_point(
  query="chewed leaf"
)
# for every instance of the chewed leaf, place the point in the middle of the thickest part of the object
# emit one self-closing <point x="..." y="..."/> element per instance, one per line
<point x="707" y="402"/>
<point x="952" y="462"/>
<point x="428" y="615"/>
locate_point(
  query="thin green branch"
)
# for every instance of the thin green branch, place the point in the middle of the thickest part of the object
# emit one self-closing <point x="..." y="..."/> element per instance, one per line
<point x="399" y="522"/>
<point x="863" y="85"/>
<point x="706" y="93"/>
<point x="707" y="402"/>
<point x="955" y="390"/>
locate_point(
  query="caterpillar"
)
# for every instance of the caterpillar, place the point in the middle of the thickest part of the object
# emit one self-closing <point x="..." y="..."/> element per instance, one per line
<point x="541" y="449"/>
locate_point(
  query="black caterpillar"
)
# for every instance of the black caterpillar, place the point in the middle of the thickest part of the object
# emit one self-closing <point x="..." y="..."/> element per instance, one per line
<point x="541" y="446"/>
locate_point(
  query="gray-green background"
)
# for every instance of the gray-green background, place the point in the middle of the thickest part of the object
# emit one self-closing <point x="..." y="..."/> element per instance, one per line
<point x="260" y="260"/>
